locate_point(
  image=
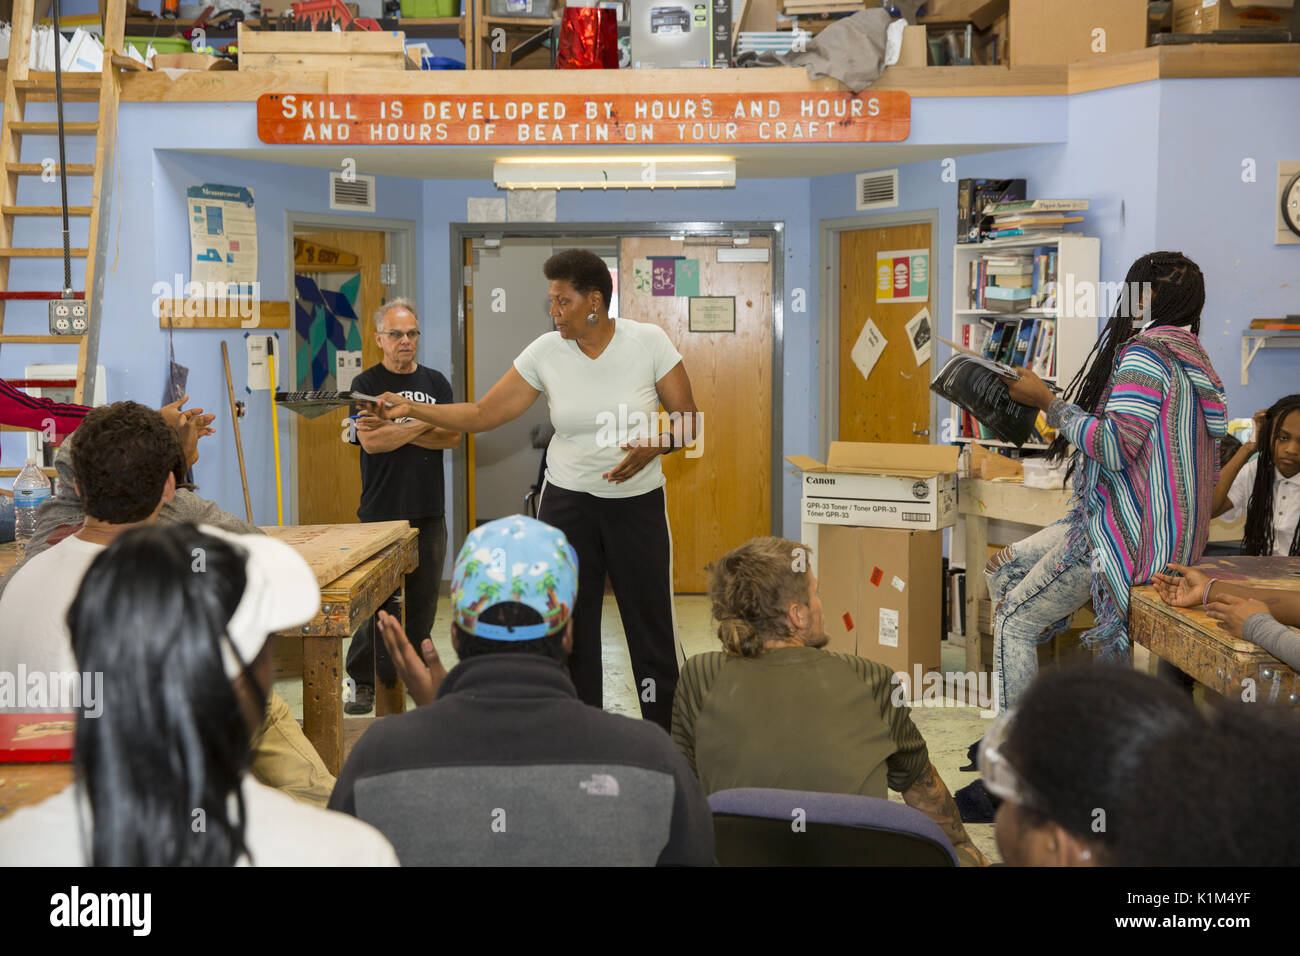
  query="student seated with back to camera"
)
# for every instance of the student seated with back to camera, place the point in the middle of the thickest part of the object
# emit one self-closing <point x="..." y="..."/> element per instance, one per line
<point x="775" y="710"/>
<point x="180" y="701"/>
<point x="120" y="469"/>
<point x="502" y="764"/>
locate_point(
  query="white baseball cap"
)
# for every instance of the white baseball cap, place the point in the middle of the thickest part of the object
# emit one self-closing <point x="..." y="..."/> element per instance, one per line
<point x="281" y="592"/>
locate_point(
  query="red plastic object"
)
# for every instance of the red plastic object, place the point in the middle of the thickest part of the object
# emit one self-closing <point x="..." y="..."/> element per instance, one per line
<point x="36" y="738"/>
<point x="588" y="40"/>
<point x="317" y="10"/>
<point x="37" y="296"/>
<point x="848" y="621"/>
<point x="876" y="576"/>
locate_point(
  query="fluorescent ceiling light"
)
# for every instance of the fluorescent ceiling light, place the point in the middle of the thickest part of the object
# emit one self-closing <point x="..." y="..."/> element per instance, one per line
<point x="624" y="173"/>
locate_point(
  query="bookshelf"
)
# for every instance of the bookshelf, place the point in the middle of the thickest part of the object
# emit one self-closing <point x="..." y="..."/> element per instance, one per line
<point x="1072" y="318"/>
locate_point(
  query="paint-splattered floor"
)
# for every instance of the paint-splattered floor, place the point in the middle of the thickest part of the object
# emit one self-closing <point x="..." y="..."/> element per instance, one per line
<point x="948" y="731"/>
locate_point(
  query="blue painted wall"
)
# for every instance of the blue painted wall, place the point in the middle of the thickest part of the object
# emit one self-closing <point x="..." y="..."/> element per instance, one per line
<point x="1208" y="128"/>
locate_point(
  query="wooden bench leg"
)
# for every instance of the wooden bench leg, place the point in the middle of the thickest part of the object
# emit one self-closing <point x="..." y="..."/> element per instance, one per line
<point x="977" y="533"/>
<point x="322" y="698"/>
<point x="390" y="692"/>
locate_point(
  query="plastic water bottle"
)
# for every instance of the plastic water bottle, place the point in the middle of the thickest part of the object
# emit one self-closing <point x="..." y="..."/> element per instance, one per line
<point x="31" y="487"/>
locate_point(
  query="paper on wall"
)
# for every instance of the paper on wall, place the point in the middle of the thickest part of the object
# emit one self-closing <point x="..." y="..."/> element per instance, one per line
<point x="888" y="627"/>
<point x="898" y="583"/>
<point x="258" y="371"/>
<point x="920" y="335"/>
<point x="642" y="276"/>
<point x="223" y="234"/>
<point x="347" y="366"/>
<point x="867" y="349"/>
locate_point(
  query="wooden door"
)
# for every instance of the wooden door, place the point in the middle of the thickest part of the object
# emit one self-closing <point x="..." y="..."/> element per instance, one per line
<point x="722" y="498"/>
<point x="892" y="403"/>
<point x="328" y="469"/>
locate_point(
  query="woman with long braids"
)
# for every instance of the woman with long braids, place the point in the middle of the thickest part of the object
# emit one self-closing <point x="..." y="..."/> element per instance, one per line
<point x="1267" y="488"/>
<point x="176" y="618"/>
<point x="1144" y="414"/>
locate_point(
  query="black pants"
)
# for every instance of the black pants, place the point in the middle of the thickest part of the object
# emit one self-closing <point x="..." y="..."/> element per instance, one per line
<point x="629" y="539"/>
<point x="421" y="601"/>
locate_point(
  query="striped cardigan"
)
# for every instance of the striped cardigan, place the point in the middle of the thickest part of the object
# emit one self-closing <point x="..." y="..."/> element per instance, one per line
<point x="1145" y="472"/>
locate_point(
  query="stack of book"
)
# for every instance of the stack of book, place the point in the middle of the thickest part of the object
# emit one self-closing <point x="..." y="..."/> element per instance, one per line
<point x="1033" y="218"/>
<point x="1013" y="280"/>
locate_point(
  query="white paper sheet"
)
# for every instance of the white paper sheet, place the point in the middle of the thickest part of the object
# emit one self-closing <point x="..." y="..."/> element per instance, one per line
<point x="258" y="371"/>
<point x="920" y="334"/>
<point x="347" y="366"/>
<point x="867" y="349"/>
<point x="888" y="627"/>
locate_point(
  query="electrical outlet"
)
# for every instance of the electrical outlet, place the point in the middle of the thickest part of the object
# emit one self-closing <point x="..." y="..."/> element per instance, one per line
<point x="68" y="317"/>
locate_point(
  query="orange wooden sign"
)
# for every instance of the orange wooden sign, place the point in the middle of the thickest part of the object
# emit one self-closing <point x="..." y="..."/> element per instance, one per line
<point x="375" y="119"/>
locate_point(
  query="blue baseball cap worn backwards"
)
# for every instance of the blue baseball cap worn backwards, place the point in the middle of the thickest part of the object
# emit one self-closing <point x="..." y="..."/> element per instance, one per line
<point x="515" y="559"/>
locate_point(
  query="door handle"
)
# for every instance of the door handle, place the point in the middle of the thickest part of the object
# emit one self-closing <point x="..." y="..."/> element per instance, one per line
<point x="924" y="431"/>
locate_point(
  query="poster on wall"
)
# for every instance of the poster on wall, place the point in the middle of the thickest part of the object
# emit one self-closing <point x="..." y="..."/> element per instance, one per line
<point x="903" y="275"/>
<point x="867" y="349"/>
<point x="223" y="235"/>
<point x="919" y="335"/>
<point x="712" y="313"/>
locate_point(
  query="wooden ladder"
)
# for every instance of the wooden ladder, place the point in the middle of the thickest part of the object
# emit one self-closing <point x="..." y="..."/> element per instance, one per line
<point x="22" y="86"/>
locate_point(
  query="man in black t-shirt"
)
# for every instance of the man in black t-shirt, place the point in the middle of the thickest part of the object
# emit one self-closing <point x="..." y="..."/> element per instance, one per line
<point x="401" y="479"/>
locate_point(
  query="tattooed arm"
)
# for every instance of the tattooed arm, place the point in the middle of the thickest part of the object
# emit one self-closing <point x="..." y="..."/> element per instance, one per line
<point x="929" y="795"/>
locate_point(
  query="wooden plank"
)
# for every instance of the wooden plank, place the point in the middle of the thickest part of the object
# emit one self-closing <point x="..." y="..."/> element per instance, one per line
<point x="322" y="61"/>
<point x="322" y="698"/>
<point x="334" y="549"/>
<point x="40" y="253"/>
<point x="44" y="210"/>
<point x="42" y="127"/>
<point x="35" y="169"/>
<point x="42" y="339"/>
<point x="222" y="314"/>
<point x="319" y="41"/>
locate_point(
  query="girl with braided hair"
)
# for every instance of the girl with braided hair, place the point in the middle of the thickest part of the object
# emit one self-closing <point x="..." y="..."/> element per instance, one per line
<point x="1267" y="488"/>
<point x="1144" y="417"/>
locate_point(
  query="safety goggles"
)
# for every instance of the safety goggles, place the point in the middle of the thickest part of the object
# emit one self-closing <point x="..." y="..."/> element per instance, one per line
<point x="1000" y="777"/>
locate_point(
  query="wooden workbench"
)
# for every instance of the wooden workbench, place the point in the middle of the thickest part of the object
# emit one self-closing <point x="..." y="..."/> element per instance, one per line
<point x="1196" y="643"/>
<point x="347" y="601"/>
<point x="980" y="501"/>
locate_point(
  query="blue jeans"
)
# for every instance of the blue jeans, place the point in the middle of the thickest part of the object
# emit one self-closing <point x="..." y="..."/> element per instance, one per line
<point x="1034" y="590"/>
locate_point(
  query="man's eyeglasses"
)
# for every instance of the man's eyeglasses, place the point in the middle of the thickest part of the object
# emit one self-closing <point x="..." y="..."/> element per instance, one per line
<point x="413" y="335"/>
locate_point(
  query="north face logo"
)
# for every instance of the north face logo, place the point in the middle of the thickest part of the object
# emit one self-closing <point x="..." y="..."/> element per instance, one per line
<point x="600" y="785"/>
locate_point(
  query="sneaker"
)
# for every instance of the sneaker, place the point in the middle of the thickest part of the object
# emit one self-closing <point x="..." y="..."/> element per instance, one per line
<point x="364" y="703"/>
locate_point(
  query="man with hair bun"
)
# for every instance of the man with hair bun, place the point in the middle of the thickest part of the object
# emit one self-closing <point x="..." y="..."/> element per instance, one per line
<point x="774" y="709"/>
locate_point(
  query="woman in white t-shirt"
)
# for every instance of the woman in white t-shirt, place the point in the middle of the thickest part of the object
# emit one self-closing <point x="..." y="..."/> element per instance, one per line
<point x="604" y="380"/>
<point x="1266" y="488"/>
<point x="176" y="618"/>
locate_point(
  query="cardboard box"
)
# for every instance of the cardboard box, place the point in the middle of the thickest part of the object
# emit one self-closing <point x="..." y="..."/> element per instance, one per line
<point x="672" y="34"/>
<point x="982" y="13"/>
<point x="882" y="596"/>
<point x="1206" y="16"/>
<point x="913" y="53"/>
<point x="878" y="485"/>
<point x="1049" y="32"/>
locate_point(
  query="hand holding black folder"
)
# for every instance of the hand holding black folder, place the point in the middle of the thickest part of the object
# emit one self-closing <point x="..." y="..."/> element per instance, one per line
<point x="976" y="384"/>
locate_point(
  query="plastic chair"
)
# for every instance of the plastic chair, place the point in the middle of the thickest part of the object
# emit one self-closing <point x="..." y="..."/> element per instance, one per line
<point x="757" y="827"/>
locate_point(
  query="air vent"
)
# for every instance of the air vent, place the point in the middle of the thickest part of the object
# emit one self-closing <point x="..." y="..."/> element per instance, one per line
<point x="354" y="194"/>
<point x="877" y="190"/>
